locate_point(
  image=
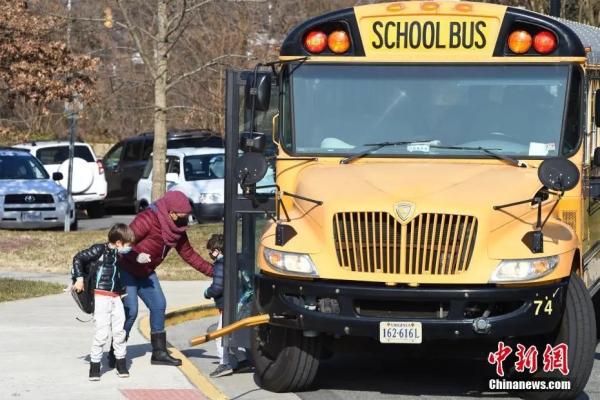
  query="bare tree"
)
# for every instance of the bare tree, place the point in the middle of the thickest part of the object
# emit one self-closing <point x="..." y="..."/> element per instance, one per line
<point x="154" y="43"/>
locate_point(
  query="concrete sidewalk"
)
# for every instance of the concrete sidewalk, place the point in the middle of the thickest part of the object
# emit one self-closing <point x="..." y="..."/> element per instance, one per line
<point x="45" y="350"/>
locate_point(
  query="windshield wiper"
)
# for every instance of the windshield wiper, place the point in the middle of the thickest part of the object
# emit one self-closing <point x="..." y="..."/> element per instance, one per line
<point x="491" y="152"/>
<point x="377" y="146"/>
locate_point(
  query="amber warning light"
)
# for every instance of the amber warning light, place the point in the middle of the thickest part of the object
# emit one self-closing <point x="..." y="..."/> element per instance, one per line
<point x="317" y="41"/>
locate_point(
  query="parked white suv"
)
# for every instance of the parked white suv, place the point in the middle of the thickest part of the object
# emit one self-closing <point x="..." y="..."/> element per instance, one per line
<point x="29" y="198"/>
<point x="198" y="172"/>
<point x="89" y="182"/>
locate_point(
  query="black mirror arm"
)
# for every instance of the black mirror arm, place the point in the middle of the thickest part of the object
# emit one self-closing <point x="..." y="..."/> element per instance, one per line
<point x="540" y="226"/>
<point x="516" y="203"/>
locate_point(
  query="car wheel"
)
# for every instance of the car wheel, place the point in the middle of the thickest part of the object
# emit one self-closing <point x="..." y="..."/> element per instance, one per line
<point x="75" y="225"/>
<point x="95" y="210"/>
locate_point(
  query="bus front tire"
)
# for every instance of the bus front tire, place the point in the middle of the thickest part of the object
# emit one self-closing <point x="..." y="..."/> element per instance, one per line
<point x="284" y="360"/>
<point x="578" y="330"/>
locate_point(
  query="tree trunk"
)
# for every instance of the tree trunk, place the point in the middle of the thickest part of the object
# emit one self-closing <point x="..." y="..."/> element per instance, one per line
<point x="160" y="105"/>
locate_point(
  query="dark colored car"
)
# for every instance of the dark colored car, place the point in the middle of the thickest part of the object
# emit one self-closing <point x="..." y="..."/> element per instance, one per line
<point x="124" y="163"/>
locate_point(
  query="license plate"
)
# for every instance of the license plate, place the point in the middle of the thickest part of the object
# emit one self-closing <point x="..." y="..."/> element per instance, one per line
<point x="30" y="216"/>
<point x="400" y="332"/>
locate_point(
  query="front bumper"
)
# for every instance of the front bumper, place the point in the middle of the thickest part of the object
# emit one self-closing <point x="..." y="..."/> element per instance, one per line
<point x="88" y="198"/>
<point x="204" y="211"/>
<point x="444" y="312"/>
<point x="25" y="216"/>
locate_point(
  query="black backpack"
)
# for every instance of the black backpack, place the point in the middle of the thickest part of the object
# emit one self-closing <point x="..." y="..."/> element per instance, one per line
<point x="85" y="298"/>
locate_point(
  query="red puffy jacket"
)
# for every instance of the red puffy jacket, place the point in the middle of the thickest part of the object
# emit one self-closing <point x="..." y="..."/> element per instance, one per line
<point x="149" y="240"/>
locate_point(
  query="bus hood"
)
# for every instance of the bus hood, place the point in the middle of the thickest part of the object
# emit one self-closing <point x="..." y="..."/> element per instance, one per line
<point x="465" y="188"/>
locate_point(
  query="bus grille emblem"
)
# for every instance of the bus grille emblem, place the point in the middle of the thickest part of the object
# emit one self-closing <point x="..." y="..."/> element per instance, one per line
<point x="404" y="210"/>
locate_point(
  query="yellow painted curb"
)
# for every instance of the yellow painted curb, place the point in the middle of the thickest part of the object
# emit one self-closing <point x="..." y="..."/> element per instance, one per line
<point x="178" y="316"/>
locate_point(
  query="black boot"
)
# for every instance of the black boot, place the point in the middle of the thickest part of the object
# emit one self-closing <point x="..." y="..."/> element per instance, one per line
<point x="160" y="355"/>
<point x="122" y="371"/>
<point x="111" y="357"/>
<point x="94" y="371"/>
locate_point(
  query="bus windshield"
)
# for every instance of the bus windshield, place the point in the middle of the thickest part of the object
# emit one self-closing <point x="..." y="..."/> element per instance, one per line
<point x="340" y="109"/>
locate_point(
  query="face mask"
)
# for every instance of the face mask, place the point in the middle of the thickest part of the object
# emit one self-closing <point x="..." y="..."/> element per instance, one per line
<point x="124" y="250"/>
<point x="181" y="221"/>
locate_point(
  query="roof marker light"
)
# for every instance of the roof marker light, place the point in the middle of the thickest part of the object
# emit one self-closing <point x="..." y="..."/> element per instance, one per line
<point x="544" y="42"/>
<point x="519" y="42"/>
<point x="315" y="41"/>
<point x="463" y="7"/>
<point x="430" y="6"/>
<point x="395" y="7"/>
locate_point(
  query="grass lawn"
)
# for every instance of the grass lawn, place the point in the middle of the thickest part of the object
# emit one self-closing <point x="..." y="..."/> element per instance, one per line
<point x="13" y="289"/>
<point x="53" y="251"/>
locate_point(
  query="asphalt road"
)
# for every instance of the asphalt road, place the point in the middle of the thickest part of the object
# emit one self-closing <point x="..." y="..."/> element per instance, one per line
<point x="360" y="370"/>
<point x="87" y="224"/>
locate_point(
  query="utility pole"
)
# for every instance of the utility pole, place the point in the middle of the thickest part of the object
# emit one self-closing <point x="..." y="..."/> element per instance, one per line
<point x="555" y="8"/>
<point x="69" y="24"/>
<point x="71" y="117"/>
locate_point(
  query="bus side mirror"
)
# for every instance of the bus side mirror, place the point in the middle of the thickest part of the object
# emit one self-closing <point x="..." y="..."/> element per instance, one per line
<point x="258" y="91"/>
<point x="558" y="174"/>
<point x="250" y="168"/>
<point x="597" y="107"/>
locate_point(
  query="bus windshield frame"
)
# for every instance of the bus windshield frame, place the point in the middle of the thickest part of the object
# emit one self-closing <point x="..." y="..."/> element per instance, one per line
<point x="305" y="110"/>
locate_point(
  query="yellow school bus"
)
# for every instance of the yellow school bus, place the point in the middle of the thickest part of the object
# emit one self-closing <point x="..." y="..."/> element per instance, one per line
<point x="435" y="168"/>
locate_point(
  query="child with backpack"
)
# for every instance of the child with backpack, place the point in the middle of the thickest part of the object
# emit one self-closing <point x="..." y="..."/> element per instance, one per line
<point x="215" y="291"/>
<point x="100" y="263"/>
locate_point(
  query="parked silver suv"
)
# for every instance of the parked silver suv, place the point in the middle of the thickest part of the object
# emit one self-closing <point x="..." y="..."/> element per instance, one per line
<point x="29" y="198"/>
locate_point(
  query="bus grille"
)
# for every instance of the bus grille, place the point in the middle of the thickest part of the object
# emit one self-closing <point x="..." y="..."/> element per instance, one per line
<point x="431" y="244"/>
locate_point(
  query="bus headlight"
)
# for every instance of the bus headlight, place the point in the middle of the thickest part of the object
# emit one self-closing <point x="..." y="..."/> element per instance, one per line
<point x="524" y="270"/>
<point x="284" y="261"/>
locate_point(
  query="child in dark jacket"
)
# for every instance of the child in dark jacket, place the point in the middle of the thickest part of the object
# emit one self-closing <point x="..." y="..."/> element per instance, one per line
<point x="215" y="291"/>
<point x="109" y="314"/>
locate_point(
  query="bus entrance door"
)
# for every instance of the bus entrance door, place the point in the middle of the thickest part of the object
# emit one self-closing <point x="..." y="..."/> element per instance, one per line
<point x="245" y="215"/>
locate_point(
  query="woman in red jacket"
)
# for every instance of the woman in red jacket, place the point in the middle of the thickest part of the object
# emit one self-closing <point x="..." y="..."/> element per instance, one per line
<point x="157" y="230"/>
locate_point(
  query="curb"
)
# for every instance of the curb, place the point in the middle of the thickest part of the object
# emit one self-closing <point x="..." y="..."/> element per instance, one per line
<point x="193" y="374"/>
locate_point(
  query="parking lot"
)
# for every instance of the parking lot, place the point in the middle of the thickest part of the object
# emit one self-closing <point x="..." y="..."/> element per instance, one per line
<point x="111" y="218"/>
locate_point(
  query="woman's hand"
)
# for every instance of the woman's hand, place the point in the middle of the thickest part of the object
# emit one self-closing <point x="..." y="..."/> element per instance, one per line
<point x="78" y="286"/>
<point x="143" y="258"/>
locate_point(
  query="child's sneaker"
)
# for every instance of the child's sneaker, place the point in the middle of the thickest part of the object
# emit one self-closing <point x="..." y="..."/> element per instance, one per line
<point x="121" y="364"/>
<point x="94" y="371"/>
<point x="222" y="370"/>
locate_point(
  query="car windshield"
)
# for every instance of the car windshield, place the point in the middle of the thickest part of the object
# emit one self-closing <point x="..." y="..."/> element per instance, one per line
<point x="513" y="110"/>
<point x="202" y="167"/>
<point x="21" y="167"/>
